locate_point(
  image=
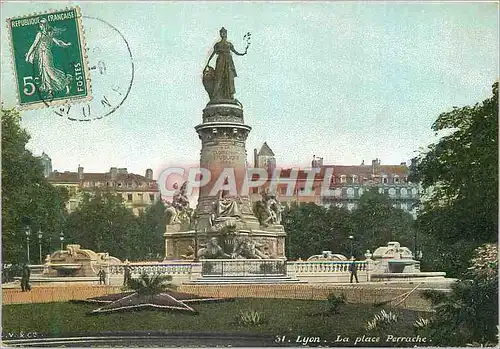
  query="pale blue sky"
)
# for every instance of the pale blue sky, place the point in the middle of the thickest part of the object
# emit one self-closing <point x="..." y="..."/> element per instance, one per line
<point x="345" y="81"/>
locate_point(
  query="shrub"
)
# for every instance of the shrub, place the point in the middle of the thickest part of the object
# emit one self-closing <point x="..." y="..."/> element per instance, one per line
<point x="150" y="284"/>
<point x="468" y="315"/>
<point x="335" y="302"/>
<point x="421" y="323"/>
<point x="382" y="321"/>
<point x="250" y="317"/>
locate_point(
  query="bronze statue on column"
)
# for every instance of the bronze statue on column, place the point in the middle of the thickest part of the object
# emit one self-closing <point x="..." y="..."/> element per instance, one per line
<point x="219" y="82"/>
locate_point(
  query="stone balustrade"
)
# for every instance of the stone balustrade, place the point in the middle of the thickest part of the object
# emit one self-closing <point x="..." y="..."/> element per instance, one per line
<point x="328" y="271"/>
<point x="313" y="271"/>
<point x="315" y="267"/>
<point x="243" y="267"/>
<point x="157" y="268"/>
<point x="316" y="271"/>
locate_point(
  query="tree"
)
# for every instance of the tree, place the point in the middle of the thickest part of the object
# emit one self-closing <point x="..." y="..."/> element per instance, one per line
<point x="309" y="228"/>
<point x="152" y="226"/>
<point x="468" y="315"/>
<point x="102" y="223"/>
<point x="460" y="176"/>
<point x="312" y="229"/>
<point x="376" y="222"/>
<point x="25" y="192"/>
<point x="340" y="227"/>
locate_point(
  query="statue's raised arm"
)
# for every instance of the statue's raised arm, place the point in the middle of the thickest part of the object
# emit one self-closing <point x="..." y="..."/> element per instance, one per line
<point x="231" y="47"/>
<point x="219" y="82"/>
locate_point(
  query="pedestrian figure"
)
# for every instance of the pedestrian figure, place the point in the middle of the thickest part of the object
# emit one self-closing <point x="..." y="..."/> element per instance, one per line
<point x="126" y="275"/>
<point x="6" y="273"/>
<point x="25" y="279"/>
<point x="353" y="268"/>
<point x="102" y="277"/>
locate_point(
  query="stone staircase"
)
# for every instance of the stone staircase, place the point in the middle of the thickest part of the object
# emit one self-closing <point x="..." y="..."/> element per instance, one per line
<point x="226" y="280"/>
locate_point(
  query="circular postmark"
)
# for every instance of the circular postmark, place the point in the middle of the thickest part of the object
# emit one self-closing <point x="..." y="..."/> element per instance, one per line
<point x="111" y="69"/>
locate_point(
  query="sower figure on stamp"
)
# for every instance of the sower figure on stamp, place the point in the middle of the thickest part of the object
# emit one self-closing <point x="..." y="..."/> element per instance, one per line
<point x="40" y="53"/>
<point x="353" y="268"/>
<point x="25" y="278"/>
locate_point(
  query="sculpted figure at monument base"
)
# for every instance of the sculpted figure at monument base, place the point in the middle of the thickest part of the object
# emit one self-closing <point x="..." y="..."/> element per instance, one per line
<point x="178" y="211"/>
<point x="226" y="211"/>
<point x="212" y="250"/>
<point x="248" y="248"/>
<point x="268" y="210"/>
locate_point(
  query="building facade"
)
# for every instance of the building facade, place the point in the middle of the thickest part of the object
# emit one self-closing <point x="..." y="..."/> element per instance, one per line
<point x="348" y="184"/>
<point x="345" y="184"/>
<point x="137" y="191"/>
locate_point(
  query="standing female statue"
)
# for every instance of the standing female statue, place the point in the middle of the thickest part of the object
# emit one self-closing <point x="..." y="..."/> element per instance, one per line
<point x="41" y="55"/>
<point x="219" y="82"/>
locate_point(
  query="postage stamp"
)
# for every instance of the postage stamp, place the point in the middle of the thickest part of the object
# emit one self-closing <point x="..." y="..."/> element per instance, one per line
<point x="49" y="58"/>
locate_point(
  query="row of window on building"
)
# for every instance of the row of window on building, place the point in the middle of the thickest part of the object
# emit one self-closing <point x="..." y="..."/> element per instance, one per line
<point x="352" y="206"/>
<point x="130" y="185"/>
<point x="385" y="179"/>
<point x="129" y="197"/>
<point x="139" y="197"/>
<point x="351" y="192"/>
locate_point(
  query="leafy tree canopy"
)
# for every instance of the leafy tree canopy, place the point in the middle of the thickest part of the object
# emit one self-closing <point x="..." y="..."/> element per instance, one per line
<point x="26" y="194"/>
<point x="103" y="223"/>
<point x="312" y="228"/>
<point x="376" y="222"/>
<point x="460" y="175"/>
<point x="468" y="315"/>
<point x="152" y="224"/>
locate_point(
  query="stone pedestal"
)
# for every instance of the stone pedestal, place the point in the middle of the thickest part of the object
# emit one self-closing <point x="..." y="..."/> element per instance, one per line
<point x="181" y="245"/>
<point x="223" y="134"/>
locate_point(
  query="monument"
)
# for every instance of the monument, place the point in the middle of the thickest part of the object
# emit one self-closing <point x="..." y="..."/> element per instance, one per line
<point x="224" y="224"/>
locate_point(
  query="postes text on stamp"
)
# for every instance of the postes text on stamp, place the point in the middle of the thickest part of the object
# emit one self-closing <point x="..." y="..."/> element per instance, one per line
<point x="49" y="59"/>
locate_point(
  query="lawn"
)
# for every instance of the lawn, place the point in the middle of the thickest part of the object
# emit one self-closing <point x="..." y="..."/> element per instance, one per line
<point x="290" y="318"/>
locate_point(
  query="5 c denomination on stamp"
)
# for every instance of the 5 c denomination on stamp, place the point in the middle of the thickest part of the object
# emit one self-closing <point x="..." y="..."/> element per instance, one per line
<point x="49" y="59"/>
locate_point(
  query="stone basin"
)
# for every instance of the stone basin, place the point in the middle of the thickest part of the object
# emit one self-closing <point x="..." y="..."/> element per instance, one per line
<point x="398" y="265"/>
<point x="66" y="267"/>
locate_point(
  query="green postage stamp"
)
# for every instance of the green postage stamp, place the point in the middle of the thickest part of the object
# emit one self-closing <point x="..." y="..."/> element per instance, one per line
<point x="49" y="58"/>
